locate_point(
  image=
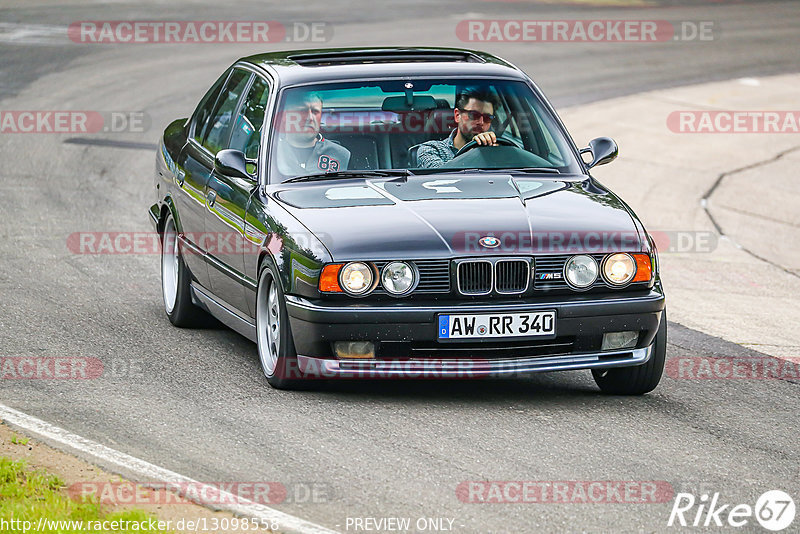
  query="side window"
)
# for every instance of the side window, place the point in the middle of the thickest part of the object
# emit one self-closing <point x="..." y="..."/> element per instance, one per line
<point x="526" y="125"/>
<point x="205" y="107"/>
<point x="218" y="129"/>
<point x="554" y="155"/>
<point x="246" y="135"/>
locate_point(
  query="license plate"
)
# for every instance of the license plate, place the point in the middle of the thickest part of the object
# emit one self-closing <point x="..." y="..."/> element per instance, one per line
<point x="495" y="325"/>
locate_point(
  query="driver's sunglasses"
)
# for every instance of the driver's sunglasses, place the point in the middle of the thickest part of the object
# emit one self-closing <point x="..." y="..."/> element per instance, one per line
<point x="475" y="115"/>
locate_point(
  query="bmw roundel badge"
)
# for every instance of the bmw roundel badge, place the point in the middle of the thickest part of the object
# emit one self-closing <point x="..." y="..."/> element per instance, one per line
<point x="489" y="241"/>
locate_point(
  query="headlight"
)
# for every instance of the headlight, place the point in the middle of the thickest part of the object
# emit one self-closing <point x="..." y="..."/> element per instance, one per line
<point x="618" y="269"/>
<point x="580" y="271"/>
<point x="356" y="278"/>
<point x="398" y="278"/>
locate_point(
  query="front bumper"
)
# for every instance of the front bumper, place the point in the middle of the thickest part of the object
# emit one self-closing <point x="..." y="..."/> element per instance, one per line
<point x="468" y="368"/>
<point x="406" y="336"/>
<point x="155" y="213"/>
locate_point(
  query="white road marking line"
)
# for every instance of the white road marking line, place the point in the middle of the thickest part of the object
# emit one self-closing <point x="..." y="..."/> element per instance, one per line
<point x="752" y="82"/>
<point x="148" y="471"/>
<point x="16" y="33"/>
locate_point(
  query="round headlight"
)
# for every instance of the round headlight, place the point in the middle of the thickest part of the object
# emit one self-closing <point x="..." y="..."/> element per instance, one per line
<point x="398" y="278"/>
<point x="581" y="271"/>
<point x="356" y="278"/>
<point x="618" y="269"/>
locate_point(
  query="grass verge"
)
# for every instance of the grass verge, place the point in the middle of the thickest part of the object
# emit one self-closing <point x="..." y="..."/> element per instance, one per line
<point x="31" y="499"/>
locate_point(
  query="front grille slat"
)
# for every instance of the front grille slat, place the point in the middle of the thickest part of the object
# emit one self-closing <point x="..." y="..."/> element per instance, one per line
<point x="503" y="276"/>
<point x="475" y="277"/>
<point x="511" y="276"/>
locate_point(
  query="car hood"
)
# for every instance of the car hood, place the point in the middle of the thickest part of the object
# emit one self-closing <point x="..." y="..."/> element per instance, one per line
<point x="448" y="215"/>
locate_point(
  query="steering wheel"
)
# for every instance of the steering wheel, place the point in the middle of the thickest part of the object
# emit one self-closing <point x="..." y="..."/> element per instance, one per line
<point x="472" y="144"/>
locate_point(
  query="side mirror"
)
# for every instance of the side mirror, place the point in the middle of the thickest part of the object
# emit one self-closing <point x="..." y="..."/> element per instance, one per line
<point x="230" y="162"/>
<point x="603" y="150"/>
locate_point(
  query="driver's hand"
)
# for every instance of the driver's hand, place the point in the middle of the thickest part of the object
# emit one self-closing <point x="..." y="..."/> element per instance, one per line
<point x="486" y="139"/>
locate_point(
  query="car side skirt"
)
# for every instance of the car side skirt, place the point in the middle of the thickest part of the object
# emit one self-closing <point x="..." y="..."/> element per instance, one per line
<point x="223" y="312"/>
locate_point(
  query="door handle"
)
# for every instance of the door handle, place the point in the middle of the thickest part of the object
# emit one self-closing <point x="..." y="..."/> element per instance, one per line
<point x="211" y="197"/>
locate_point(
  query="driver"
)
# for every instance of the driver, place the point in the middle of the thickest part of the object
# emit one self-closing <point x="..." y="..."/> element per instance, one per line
<point x="474" y="113"/>
<point x="302" y="149"/>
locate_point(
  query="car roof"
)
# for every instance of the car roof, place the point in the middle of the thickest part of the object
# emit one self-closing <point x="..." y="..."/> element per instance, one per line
<point x="307" y="66"/>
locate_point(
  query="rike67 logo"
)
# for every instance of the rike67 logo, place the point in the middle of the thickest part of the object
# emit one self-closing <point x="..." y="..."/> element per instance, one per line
<point x="774" y="510"/>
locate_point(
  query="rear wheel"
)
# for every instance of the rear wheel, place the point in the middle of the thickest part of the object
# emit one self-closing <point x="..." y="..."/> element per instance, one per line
<point x="274" y="336"/>
<point x="175" y="279"/>
<point x="640" y="379"/>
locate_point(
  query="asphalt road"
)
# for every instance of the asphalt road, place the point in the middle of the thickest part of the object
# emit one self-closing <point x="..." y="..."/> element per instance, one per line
<point x="195" y="402"/>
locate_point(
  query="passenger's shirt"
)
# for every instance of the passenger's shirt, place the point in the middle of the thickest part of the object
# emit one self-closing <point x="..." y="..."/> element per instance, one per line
<point x="324" y="156"/>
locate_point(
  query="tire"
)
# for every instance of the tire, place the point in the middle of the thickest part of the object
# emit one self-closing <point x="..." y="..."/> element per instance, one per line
<point x="639" y="379"/>
<point x="175" y="279"/>
<point x="276" y="350"/>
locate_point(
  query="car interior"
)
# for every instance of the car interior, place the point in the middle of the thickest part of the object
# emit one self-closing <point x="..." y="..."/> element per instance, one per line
<point x="385" y="132"/>
<point x="390" y="143"/>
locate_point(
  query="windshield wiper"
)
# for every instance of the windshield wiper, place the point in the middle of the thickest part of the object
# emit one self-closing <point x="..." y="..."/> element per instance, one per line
<point x="349" y="174"/>
<point x="530" y="170"/>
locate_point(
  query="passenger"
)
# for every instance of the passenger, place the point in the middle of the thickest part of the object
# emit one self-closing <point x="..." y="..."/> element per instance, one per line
<point x="474" y="114"/>
<point x="301" y="148"/>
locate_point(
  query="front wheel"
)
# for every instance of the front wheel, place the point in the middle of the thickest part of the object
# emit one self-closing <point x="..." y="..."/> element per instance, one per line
<point x="640" y="379"/>
<point x="274" y="336"/>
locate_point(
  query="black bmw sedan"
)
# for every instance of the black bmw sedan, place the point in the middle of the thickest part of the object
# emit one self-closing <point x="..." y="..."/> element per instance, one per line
<point x="403" y="213"/>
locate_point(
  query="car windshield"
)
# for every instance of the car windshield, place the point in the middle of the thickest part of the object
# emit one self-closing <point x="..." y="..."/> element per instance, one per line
<point x="423" y="126"/>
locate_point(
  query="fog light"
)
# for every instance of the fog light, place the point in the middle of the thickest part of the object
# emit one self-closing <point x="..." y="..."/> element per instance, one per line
<point x="354" y="349"/>
<point x="619" y="340"/>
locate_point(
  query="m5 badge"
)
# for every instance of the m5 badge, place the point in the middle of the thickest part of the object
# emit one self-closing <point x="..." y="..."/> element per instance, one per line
<point x="549" y="276"/>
